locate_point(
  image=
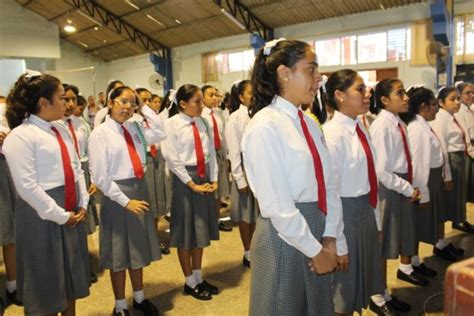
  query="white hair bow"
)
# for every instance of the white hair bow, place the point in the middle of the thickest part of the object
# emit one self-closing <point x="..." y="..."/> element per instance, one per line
<point x="267" y="49"/>
<point x="32" y="73"/>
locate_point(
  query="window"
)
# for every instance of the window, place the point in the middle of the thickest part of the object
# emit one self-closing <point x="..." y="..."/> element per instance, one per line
<point x="328" y="52"/>
<point x="369" y="76"/>
<point x="465" y="35"/>
<point x="240" y="61"/>
<point x="459" y="37"/>
<point x="396" y="45"/>
<point x="349" y="50"/>
<point x="372" y="48"/>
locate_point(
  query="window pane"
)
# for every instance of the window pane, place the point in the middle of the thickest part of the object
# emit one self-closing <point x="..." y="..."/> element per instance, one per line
<point x="222" y="63"/>
<point x="470" y="36"/>
<point x="328" y="52"/>
<point x="372" y="48"/>
<point x="369" y="76"/>
<point x="408" y="43"/>
<point x="249" y="57"/>
<point x="349" y="50"/>
<point x="236" y="62"/>
<point x="396" y="45"/>
<point x="459" y="37"/>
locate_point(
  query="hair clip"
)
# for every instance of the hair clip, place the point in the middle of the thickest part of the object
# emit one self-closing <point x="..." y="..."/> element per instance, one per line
<point x="416" y="86"/>
<point x="32" y="74"/>
<point x="457" y="83"/>
<point x="323" y="82"/>
<point x="172" y="96"/>
<point x="236" y="83"/>
<point x="267" y="49"/>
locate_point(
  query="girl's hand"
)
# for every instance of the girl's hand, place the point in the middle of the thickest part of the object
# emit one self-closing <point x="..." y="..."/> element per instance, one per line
<point x="138" y="207"/>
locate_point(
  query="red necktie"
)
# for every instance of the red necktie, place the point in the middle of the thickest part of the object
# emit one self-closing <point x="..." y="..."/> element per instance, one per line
<point x="407" y="154"/>
<point x="153" y="149"/>
<point x="74" y="137"/>
<point x="463" y="134"/>
<point x="201" y="166"/>
<point x="136" y="162"/>
<point x="370" y="166"/>
<point x="70" y="198"/>
<point x="318" y="167"/>
<point x="217" y="139"/>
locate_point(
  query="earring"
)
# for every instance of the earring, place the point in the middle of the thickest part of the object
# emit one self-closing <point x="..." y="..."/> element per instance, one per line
<point x="342" y="100"/>
<point x="286" y="79"/>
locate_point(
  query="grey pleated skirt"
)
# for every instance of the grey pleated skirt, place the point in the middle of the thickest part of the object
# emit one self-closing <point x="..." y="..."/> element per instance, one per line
<point x="151" y="177"/>
<point x="427" y="220"/>
<point x="470" y="178"/>
<point x="281" y="280"/>
<point x="398" y="226"/>
<point x="243" y="206"/>
<point x="7" y="203"/>
<point x="223" y="174"/>
<point x="352" y="289"/>
<point x="193" y="216"/>
<point x="456" y="199"/>
<point x="92" y="219"/>
<point x="164" y="187"/>
<point x="52" y="260"/>
<point x="127" y="240"/>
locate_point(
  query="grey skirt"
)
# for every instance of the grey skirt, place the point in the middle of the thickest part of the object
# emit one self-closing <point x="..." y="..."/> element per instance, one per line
<point x="164" y="187"/>
<point x="223" y="174"/>
<point x="456" y="199"/>
<point x="398" y="226"/>
<point x="52" y="260"/>
<point x="243" y="206"/>
<point x="352" y="289"/>
<point x="470" y="178"/>
<point x="151" y="177"/>
<point x="92" y="219"/>
<point x="427" y="220"/>
<point x="7" y="203"/>
<point x="127" y="240"/>
<point x="281" y="280"/>
<point x="193" y="216"/>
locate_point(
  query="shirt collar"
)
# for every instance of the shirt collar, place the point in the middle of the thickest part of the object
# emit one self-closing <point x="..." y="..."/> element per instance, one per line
<point x="445" y="114"/>
<point x="207" y="110"/>
<point x="286" y="106"/>
<point x="111" y="123"/>
<point x="186" y="118"/>
<point x="40" y="122"/>
<point x="422" y="121"/>
<point x="395" y="119"/>
<point x="345" y="121"/>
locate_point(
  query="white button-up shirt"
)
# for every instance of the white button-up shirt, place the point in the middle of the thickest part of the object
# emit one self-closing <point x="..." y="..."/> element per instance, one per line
<point x="82" y="132"/>
<point x="426" y="153"/>
<point x="100" y="116"/>
<point x="34" y="158"/>
<point x="466" y="118"/>
<point x="391" y="159"/>
<point x="280" y="172"/>
<point x="206" y="114"/>
<point x="108" y="154"/>
<point x="179" y="148"/>
<point x="234" y="131"/>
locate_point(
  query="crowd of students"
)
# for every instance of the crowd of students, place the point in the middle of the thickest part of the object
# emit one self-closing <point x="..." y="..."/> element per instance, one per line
<point x="329" y="179"/>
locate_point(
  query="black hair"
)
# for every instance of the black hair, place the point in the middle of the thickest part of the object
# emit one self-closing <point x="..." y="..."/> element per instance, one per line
<point x="185" y="93"/>
<point x="81" y="100"/>
<point x="166" y="103"/>
<point x="205" y="87"/>
<point x="319" y="109"/>
<point x="382" y="89"/>
<point x="418" y="96"/>
<point x="235" y="92"/>
<point x="68" y="87"/>
<point x="140" y="90"/>
<point x="340" y="80"/>
<point x="264" y="75"/>
<point x="110" y="87"/>
<point x="154" y="96"/>
<point x="444" y="93"/>
<point x="22" y="101"/>
<point x="225" y="101"/>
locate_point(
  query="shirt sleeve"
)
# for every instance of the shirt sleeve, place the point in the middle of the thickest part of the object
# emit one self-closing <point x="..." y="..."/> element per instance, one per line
<point x="20" y="155"/>
<point x="440" y="128"/>
<point x="98" y="164"/>
<point x="233" y="145"/>
<point x="155" y="133"/>
<point x="265" y="172"/>
<point x="171" y="154"/>
<point x="421" y="156"/>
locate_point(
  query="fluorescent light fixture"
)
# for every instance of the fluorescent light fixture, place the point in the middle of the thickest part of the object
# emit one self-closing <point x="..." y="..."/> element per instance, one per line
<point x="155" y="20"/>
<point x="83" y="44"/>
<point x="177" y="21"/>
<point x="89" y="18"/>
<point x="133" y="5"/>
<point x="381" y="6"/>
<point x="69" y="28"/>
<point x="233" y="19"/>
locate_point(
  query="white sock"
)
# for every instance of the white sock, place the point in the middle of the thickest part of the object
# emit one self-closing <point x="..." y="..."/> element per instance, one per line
<point x="11" y="286"/>
<point x="415" y="261"/>
<point x="120" y="305"/>
<point x="247" y="254"/>
<point x="442" y="243"/>
<point x="191" y="281"/>
<point x="198" y="276"/>
<point x="378" y="299"/>
<point x="138" y="296"/>
<point x="406" y="268"/>
<point x="387" y="296"/>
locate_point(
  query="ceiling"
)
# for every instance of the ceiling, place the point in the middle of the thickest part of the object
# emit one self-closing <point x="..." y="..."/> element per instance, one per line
<point x="172" y="23"/>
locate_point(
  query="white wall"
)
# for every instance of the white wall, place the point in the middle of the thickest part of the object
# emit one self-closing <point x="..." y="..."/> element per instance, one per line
<point x="10" y="70"/>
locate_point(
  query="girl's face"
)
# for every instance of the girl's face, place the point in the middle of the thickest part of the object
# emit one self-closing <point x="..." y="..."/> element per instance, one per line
<point x="145" y="96"/>
<point x="193" y="107"/>
<point x="155" y="104"/>
<point x="397" y="101"/>
<point x="53" y="110"/>
<point x="355" y="100"/>
<point x="467" y="94"/>
<point x="123" y="106"/>
<point x="300" y="84"/>
<point x="210" y="98"/>
<point x="71" y="103"/>
<point x="246" y="96"/>
<point x="451" y="103"/>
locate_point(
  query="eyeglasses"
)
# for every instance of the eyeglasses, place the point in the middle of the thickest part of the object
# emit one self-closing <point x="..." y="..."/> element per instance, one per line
<point x="124" y="103"/>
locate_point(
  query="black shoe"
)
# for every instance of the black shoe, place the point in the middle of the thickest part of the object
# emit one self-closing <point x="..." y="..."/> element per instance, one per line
<point x="465" y="227"/>
<point x="123" y="312"/>
<point x="214" y="290"/>
<point x="246" y="262"/>
<point x="381" y="310"/>
<point x="413" y="278"/>
<point x="198" y="292"/>
<point x="12" y="299"/>
<point x="424" y="270"/>
<point x="94" y="278"/>
<point x="399" y="306"/>
<point x="445" y="253"/>
<point x="455" y="250"/>
<point x="2" y="307"/>
<point x="164" y="249"/>
<point x="224" y="228"/>
<point x="146" y="307"/>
